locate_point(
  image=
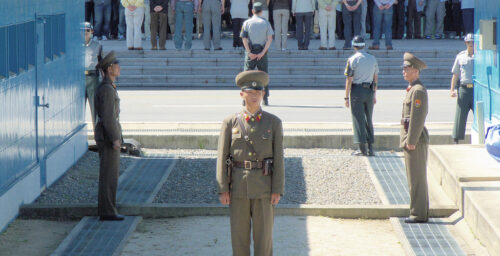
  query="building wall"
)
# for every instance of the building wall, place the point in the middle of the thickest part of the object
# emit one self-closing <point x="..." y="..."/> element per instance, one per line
<point x="41" y="62"/>
<point x="486" y="66"/>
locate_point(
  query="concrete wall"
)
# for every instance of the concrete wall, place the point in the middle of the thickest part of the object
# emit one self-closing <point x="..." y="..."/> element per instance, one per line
<point x="41" y="62"/>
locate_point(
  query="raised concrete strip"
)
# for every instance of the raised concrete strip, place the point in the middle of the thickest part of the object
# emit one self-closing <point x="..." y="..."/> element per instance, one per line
<point x="182" y="210"/>
<point x="139" y="184"/>
<point x="94" y="237"/>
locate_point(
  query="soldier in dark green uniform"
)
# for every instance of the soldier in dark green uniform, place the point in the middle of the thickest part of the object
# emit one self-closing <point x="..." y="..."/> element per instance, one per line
<point x="93" y="54"/>
<point x="257" y="36"/>
<point x="108" y="135"/>
<point x="414" y="138"/>
<point x="250" y="168"/>
<point x="361" y="84"/>
<point x="463" y="69"/>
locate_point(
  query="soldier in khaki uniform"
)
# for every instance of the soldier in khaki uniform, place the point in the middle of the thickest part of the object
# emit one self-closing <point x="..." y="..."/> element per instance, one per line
<point x="250" y="167"/>
<point x="108" y="136"/>
<point x="414" y="139"/>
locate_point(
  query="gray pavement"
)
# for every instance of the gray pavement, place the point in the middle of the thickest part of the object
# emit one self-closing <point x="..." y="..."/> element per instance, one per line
<point x="291" y="106"/>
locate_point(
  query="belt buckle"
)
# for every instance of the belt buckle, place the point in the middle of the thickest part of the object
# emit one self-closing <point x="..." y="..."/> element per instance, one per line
<point x="470" y="85"/>
<point x="248" y="165"/>
<point x="86" y="72"/>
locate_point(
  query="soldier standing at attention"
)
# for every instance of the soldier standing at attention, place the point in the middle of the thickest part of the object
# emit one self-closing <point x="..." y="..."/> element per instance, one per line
<point x="108" y="136"/>
<point x="250" y="167"/>
<point x="414" y="139"/>
<point x="93" y="54"/>
<point x="361" y="84"/>
<point x="463" y="69"/>
<point x="257" y="36"/>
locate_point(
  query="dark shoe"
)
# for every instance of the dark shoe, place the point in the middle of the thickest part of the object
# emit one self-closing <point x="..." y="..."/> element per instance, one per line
<point x="117" y="217"/>
<point x="455" y="140"/>
<point x="131" y="48"/>
<point x="332" y="48"/>
<point x="374" y="47"/>
<point x="218" y="49"/>
<point x="163" y="48"/>
<point x="138" y="48"/>
<point x="322" y="48"/>
<point x="207" y="49"/>
<point x="266" y="102"/>
<point x="409" y="37"/>
<point x="418" y="37"/>
<point x="370" y="150"/>
<point x="389" y="47"/>
<point x="154" y="48"/>
<point x="438" y="36"/>
<point x="413" y="219"/>
<point x="346" y="48"/>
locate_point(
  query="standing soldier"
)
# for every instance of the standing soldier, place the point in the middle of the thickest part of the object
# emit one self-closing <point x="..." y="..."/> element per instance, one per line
<point x="414" y="139"/>
<point x="257" y="35"/>
<point x="463" y="67"/>
<point x="250" y="167"/>
<point x="361" y="84"/>
<point x="93" y="54"/>
<point x="108" y="135"/>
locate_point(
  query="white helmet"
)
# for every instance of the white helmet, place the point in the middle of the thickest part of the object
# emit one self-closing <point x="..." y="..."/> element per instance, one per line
<point x="469" y="38"/>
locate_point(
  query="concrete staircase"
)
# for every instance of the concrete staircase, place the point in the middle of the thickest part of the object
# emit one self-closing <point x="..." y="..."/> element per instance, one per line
<point x="288" y="69"/>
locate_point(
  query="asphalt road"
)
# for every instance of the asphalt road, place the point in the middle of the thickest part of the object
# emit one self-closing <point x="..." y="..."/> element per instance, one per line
<point x="290" y="105"/>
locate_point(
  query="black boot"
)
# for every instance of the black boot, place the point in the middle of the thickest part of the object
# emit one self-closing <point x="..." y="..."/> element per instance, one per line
<point x="370" y="150"/>
<point x="455" y="140"/>
<point x="361" y="151"/>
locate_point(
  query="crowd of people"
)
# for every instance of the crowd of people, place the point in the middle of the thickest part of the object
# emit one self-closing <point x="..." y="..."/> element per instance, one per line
<point x="153" y="20"/>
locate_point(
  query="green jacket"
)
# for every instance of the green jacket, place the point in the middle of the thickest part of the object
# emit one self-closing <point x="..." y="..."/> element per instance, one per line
<point x="107" y="107"/>
<point x="415" y="108"/>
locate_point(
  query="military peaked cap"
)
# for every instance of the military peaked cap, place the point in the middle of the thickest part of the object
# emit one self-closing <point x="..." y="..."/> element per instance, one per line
<point x="411" y="61"/>
<point x="107" y="61"/>
<point x="252" y="80"/>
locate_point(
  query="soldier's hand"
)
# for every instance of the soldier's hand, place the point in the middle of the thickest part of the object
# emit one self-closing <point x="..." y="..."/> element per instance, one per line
<point x="347" y="103"/>
<point x="224" y="198"/>
<point x="117" y="145"/>
<point x="275" y="198"/>
<point x="374" y="99"/>
<point x="410" y="147"/>
<point x="453" y="94"/>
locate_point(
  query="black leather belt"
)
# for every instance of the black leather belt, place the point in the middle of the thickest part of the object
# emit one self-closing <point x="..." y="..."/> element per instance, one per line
<point x="471" y="85"/>
<point x="248" y="165"/>
<point x="364" y="85"/>
<point x="91" y="72"/>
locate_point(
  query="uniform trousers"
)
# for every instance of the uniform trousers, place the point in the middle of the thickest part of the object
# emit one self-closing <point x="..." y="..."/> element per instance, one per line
<point x="362" y="111"/>
<point x="211" y="20"/>
<point x="259" y="64"/>
<point x="434" y="16"/>
<point x="416" y="173"/>
<point x="281" y="18"/>
<point x="109" y="164"/>
<point x="134" y="22"/>
<point x="465" y="102"/>
<point x="91" y="83"/>
<point x="256" y="214"/>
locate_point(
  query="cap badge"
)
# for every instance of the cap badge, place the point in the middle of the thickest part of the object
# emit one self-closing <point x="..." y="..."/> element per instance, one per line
<point x="254" y="84"/>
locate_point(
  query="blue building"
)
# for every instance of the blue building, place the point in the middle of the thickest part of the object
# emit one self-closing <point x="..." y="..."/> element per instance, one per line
<point x="42" y="122"/>
<point x="486" y="63"/>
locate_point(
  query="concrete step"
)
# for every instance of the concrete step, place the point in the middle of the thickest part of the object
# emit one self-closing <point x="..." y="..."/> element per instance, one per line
<point x="471" y="178"/>
<point x="273" y="70"/>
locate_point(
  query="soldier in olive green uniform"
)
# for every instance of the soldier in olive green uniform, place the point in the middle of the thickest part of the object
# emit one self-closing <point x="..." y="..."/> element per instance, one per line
<point x="361" y="84"/>
<point x="463" y="68"/>
<point x="414" y="139"/>
<point x="250" y="143"/>
<point x="257" y="36"/>
<point x="108" y="136"/>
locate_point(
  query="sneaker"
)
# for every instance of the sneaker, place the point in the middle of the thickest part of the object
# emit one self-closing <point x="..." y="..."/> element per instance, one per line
<point x="121" y="37"/>
<point x="438" y="36"/>
<point x="428" y="37"/>
<point x="332" y="48"/>
<point x="104" y="38"/>
<point x="95" y="38"/>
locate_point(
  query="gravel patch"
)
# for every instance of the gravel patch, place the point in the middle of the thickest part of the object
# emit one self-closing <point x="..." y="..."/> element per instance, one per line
<point x="80" y="183"/>
<point x="313" y="176"/>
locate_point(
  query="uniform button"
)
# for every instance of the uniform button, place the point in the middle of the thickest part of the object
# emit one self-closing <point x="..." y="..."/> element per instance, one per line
<point x="253" y="119"/>
<point x="251" y="129"/>
<point x="250" y="154"/>
<point x="251" y="142"/>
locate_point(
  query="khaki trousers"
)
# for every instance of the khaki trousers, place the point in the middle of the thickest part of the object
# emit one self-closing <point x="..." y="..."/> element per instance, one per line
<point x="247" y="214"/>
<point x="158" y="21"/>
<point x="416" y="172"/>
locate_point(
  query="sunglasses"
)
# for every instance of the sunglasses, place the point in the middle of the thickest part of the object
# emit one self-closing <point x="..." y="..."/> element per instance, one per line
<point x="88" y="30"/>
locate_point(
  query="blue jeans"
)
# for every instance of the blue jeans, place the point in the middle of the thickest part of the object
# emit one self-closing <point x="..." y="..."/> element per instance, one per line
<point x="351" y="20"/>
<point x="102" y="14"/>
<point x="121" y="20"/>
<point x="183" y="14"/>
<point x="382" y="17"/>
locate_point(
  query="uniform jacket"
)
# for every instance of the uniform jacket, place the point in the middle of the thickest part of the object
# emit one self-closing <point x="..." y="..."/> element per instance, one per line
<point x="415" y="107"/>
<point x="107" y="107"/>
<point x="266" y="137"/>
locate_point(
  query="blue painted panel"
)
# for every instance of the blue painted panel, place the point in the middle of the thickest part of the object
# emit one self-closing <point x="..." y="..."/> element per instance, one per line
<point x="60" y="82"/>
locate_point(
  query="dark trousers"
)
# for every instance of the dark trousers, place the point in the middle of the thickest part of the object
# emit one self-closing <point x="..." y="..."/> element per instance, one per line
<point x="89" y="12"/>
<point x="398" y="20"/>
<point x="102" y="19"/>
<point x="237" y="24"/>
<point x="109" y="166"/>
<point x="115" y="17"/>
<point x="158" y="24"/>
<point x="453" y="18"/>
<point x="352" y="22"/>
<point x="468" y="19"/>
<point x="369" y="18"/>
<point x="465" y="103"/>
<point x="414" y="20"/>
<point x="303" y="29"/>
<point x="362" y="112"/>
<point x="339" y="28"/>
<point x="259" y="64"/>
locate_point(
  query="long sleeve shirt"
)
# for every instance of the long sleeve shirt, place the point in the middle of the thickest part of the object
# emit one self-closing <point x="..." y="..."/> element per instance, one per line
<point x="301" y="6"/>
<point x="136" y="3"/>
